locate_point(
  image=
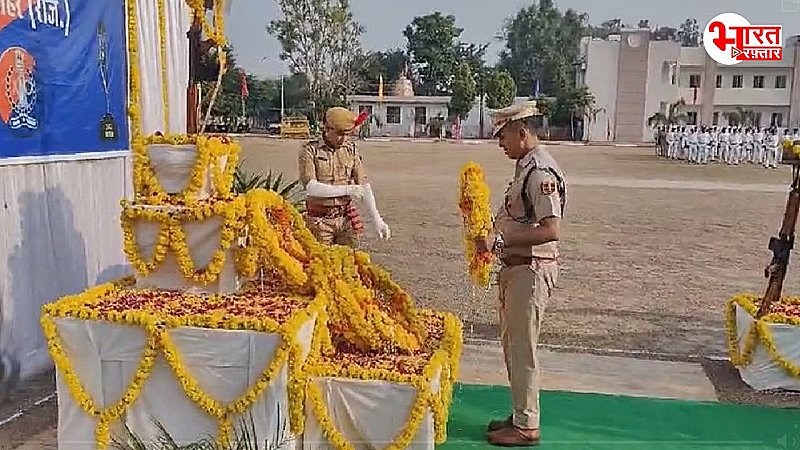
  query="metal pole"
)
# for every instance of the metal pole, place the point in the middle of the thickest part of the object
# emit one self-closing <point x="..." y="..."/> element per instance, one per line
<point x="192" y="96"/>
<point x="283" y="99"/>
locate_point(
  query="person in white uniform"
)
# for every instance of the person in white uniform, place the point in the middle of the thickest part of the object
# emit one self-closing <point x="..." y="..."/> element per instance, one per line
<point x="693" y="144"/>
<point x="736" y="147"/>
<point x="759" y="145"/>
<point x="773" y="149"/>
<point x="724" y="144"/>
<point x="703" y="141"/>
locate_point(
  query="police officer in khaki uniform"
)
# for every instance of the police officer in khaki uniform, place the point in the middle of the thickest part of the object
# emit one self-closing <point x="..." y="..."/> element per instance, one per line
<point x="525" y="236"/>
<point x="333" y="175"/>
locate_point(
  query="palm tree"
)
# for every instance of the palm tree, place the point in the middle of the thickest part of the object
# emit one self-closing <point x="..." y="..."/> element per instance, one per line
<point x="741" y="116"/>
<point x="674" y="115"/>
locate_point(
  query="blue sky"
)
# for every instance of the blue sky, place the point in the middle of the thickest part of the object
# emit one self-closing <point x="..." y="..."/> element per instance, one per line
<point x="482" y="20"/>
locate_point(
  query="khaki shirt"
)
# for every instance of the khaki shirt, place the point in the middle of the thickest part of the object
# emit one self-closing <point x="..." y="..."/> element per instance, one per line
<point x="545" y="202"/>
<point x="318" y="161"/>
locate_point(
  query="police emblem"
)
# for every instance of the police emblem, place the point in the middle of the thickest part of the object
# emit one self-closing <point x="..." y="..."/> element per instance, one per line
<point x="18" y="93"/>
<point x="548" y="187"/>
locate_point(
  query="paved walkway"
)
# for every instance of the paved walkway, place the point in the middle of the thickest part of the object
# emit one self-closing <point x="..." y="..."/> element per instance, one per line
<point x="576" y="372"/>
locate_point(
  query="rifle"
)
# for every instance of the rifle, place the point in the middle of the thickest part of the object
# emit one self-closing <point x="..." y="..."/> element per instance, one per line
<point x="781" y="247"/>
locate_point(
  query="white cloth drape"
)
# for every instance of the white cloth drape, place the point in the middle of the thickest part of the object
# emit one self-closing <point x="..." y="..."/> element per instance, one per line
<point x="60" y="234"/>
<point x="763" y="372"/>
<point x="178" y="21"/>
<point x="105" y="358"/>
<point x="368" y="414"/>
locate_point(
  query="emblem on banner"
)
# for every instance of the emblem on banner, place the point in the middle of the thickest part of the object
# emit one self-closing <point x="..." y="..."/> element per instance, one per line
<point x="18" y="93"/>
<point x="730" y="39"/>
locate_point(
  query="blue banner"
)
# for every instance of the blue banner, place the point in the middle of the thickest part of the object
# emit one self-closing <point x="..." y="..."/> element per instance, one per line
<point x="63" y="86"/>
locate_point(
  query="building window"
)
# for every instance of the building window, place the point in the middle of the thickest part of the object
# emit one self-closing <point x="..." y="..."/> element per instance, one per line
<point x="420" y="115"/>
<point x="737" y="81"/>
<point x="392" y="114"/>
<point x="694" y="80"/>
<point x="780" y="82"/>
<point x="367" y="108"/>
<point x="691" y="118"/>
<point x="758" y="82"/>
<point x="715" y="117"/>
<point x="719" y="81"/>
<point x="757" y="119"/>
<point x="776" y="120"/>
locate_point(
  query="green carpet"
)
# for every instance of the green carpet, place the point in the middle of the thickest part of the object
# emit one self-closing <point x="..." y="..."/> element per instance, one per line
<point x="594" y="421"/>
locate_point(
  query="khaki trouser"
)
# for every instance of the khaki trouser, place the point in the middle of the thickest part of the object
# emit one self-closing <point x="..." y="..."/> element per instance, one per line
<point x="332" y="230"/>
<point x="523" y="292"/>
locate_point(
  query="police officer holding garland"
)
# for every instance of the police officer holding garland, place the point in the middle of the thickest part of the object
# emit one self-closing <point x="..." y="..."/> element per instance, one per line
<point x="525" y="236"/>
<point x="333" y="175"/>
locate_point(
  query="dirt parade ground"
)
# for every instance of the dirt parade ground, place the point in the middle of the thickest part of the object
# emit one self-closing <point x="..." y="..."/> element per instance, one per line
<point x="651" y="250"/>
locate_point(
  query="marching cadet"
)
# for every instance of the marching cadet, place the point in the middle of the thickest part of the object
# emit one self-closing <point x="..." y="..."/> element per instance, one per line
<point x="774" y="150"/>
<point x="705" y="146"/>
<point x="736" y="147"/>
<point x="748" y="145"/>
<point x="724" y="144"/>
<point x="671" y="142"/>
<point x="693" y="142"/>
<point x="684" y="144"/>
<point x="525" y="235"/>
<point x="333" y="175"/>
<point x="758" y="146"/>
<point x="714" y="146"/>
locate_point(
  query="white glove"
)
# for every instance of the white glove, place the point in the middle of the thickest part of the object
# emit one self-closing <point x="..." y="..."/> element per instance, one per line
<point x="380" y="226"/>
<point x="382" y="229"/>
<point x="317" y="189"/>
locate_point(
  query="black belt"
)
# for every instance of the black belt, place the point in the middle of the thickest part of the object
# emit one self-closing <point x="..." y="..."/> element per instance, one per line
<point x="510" y="261"/>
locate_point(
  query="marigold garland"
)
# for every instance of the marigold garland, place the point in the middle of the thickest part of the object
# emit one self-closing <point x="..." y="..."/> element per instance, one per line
<point x="474" y="204"/>
<point x="162" y="46"/>
<point x="217" y="155"/>
<point x="172" y="236"/>
<point x="741" y="355"/>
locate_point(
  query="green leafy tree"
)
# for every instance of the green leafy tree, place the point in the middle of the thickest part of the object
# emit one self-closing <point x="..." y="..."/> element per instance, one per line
<point x="432" y="49"/>
<point x="542" y="43"/>
<point x="464" y="91"/>
<point x="673" y="116"/>
<point x="320" y="39"/>
<point x="372" y="65"/>
<point x="500" y="89"/>
<point x="689" y="34"/>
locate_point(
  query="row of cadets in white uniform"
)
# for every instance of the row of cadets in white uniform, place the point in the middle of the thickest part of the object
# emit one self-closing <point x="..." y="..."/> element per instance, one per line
<point x="731" y="145"/>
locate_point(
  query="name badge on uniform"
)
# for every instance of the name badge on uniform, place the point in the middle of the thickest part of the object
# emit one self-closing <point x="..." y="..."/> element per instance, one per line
<point x="548" y="187"/>
<point x="322" y="158"/>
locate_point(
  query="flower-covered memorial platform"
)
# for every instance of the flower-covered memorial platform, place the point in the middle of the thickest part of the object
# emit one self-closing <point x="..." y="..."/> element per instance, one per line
<point x="237" y="313"/>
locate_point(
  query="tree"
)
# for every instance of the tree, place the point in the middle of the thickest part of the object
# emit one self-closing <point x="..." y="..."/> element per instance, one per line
<point x="500" y="89"/>
<point x="664" y="34"/>
<point x="689" y="34"/>
<point x="674" y="115"/>
<point x="372" y="66"/>
<point x="542" y="44"/>
<point x="320" y="39"/>
<point x="432" y="49"/>
<point x="464" y="91"/>
<point x="741" y="116"/>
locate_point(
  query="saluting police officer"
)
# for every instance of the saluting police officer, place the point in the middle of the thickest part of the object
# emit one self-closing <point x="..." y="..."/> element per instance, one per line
<point x="333" y="175"/>
<point x="525" y="235"/>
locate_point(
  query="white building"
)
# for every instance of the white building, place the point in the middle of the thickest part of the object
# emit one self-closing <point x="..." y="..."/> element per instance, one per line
<point x="633" y="78"/>
<point x="403" y="114"/>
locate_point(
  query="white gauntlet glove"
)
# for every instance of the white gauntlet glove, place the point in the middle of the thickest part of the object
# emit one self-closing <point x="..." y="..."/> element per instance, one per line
<point x="380" y="226"/>
<point x="317" y="189"/>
